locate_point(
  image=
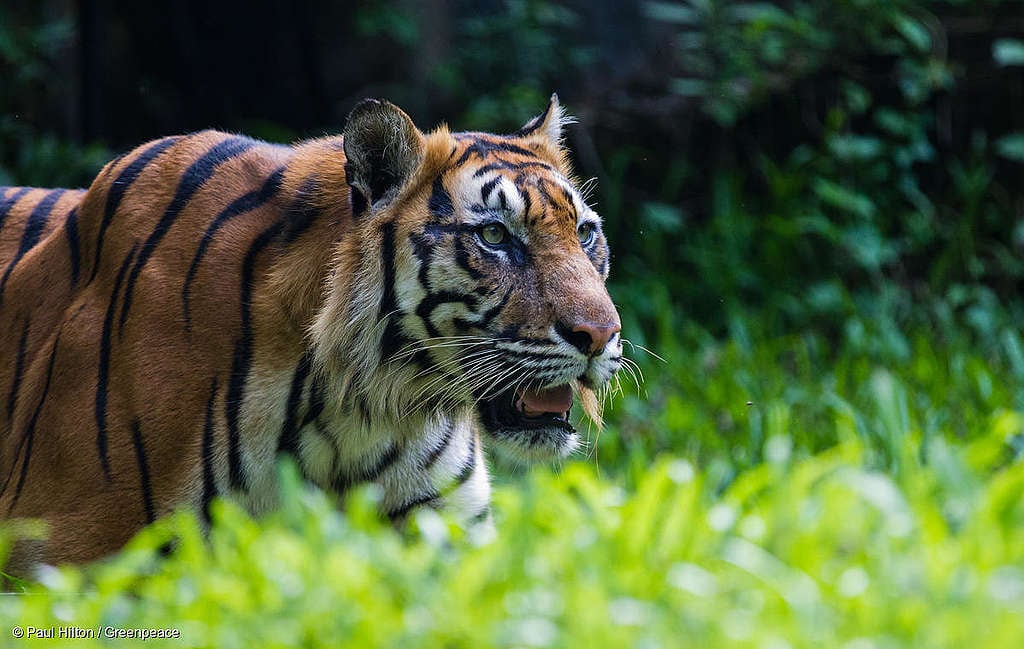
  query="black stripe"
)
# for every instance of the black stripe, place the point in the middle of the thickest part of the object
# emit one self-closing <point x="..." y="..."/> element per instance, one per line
<point x="19" y="367"/>
<point x="388" y="301"/>
<point x="74" y="245"/>
<point x="288" y="441"/>
<point x="8" y="203"/>
<point x="533" y="124"/>
<point x="481" y="515"/>
<point x="389" y="457"/>
<point x="302" y="213"/>
<point x="403" y="510"/>
<point x="483" y="148"/>
<point x="422" y="248"/>
<point x="28" y="436"/>
<point x="438" y="230"/>
<point x="120" y="185"/>
<point x="341" y="484"/>
<point x="446" y="297"/>
<point x="317" y="397"/>
<point x="488" y="316"/>
<point x="546" y="199"/>
<point x="510" y="166"/>
<point x="435" y="453"/>
<point x="567" y="195"/>
<point x="427" y="306"/>
<point x="245" y="203"/>
<point x="103" y="371"/>
<point x="209" y="481"/>
<point x="197" y="174"/>
<point x="392" y="339"/>
<point x="522" y="354"/>
<point x="357" y="200"/>
<point x="518" y="253"/>
<point x="33" y="230"/>
<point x="109" y="167"/>
<point x="364" y="411"/>
<point x="468" y="467"/>
<point x="440" y="200"/>
<point x="144" y="480"/>
<point x="511" y="333"/>
<point x="488" y="187"/>
<point x="527" y="203"/>
<point x="242" y="358"/>
<point x="462" y="259"/>
<point x="332" y="441"/>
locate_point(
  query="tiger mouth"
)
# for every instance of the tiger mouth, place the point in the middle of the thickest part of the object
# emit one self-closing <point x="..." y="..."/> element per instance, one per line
<point x="534" y="422"/>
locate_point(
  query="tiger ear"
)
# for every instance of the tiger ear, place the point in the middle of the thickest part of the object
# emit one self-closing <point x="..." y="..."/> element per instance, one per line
<point x="548" y="124"/>
<point x="383" y="148"/>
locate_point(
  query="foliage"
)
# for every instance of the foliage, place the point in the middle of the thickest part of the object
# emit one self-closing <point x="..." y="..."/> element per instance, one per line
<point x="760" y="492"/>
<point x="30" y="152"/>
<point x="841" y="165"/>
<point x="540" y="33"/>
<point x="801" y="551"/>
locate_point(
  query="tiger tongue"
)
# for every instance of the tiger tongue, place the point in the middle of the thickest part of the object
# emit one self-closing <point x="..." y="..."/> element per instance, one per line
<point x="552" y="401"/>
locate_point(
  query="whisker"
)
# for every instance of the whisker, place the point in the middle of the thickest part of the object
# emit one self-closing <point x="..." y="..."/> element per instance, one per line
<point x="635" y="347"/>
<point x="629" y="367"/>
<point x="424" y="393"/>
<point x="629" y="362"/>
<point x="587" y="188"/>
<point x="415" y="348"/>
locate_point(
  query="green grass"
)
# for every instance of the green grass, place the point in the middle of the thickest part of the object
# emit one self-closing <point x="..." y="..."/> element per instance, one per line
<point x="855" y="491"/>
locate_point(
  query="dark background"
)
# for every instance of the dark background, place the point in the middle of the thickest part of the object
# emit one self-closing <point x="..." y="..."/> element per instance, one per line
<point x="850" y="170"/>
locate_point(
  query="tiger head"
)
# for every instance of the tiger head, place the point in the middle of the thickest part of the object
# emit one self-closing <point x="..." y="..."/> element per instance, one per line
<point x="479" y="281"/>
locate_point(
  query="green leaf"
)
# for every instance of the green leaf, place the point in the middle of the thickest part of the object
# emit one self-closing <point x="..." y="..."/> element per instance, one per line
<point x="855" y="147"/>
<point x="661" y="217"/>
<point x="845" y="199"/>
<point x="1008" y="51"/>
<point x="1011" y="146"/>
<point x="689" y="87"/>
<point x="915" y="33"/>
<point x="671" y="12"/>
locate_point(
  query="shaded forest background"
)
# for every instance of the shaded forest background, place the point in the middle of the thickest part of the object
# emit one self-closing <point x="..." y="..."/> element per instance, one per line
<point x="850" y="170"/>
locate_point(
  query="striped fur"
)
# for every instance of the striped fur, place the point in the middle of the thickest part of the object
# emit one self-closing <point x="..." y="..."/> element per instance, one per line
<point x="211" y="301"/>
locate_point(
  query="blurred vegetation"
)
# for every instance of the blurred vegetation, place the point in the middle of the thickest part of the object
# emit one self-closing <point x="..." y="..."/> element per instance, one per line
<point x="817" y="220"/>
<point x="32" y="151"/>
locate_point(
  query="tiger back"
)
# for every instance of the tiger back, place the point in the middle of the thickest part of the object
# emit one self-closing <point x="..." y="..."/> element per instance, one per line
<point x="380" y="305"/>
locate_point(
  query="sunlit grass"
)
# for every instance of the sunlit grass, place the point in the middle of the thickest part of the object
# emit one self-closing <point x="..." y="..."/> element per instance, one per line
<point x="815" y="551"/>
<point x="760" y="492"/>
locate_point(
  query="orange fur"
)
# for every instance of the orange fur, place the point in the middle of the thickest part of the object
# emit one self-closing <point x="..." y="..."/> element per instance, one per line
<point x="212" y="300"/>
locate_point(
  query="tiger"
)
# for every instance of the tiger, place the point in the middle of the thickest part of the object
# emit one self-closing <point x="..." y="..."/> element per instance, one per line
<point x="378" y="305"/>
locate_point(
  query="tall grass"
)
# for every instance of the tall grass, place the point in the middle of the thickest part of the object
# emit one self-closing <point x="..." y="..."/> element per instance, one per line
<point x="768" y="491"/>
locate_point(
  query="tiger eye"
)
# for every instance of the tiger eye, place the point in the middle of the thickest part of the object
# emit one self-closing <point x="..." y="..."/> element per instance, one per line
<point x="585" y="233"/>
<point x="494" y="234"/>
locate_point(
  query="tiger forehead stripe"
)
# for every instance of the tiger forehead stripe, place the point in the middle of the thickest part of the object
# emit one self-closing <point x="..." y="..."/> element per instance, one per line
<point x="511" y="194"/>
<point x="501" y="195"/>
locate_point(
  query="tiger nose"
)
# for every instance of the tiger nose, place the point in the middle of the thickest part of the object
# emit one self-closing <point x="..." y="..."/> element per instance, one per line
<point x="588" y="337"/>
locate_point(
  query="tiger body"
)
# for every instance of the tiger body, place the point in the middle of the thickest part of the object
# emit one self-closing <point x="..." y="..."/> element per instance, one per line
<point x="212" y="301"/>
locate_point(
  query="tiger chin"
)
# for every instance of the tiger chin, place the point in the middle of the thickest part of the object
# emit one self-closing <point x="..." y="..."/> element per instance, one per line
<point x="380" y="305"/>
